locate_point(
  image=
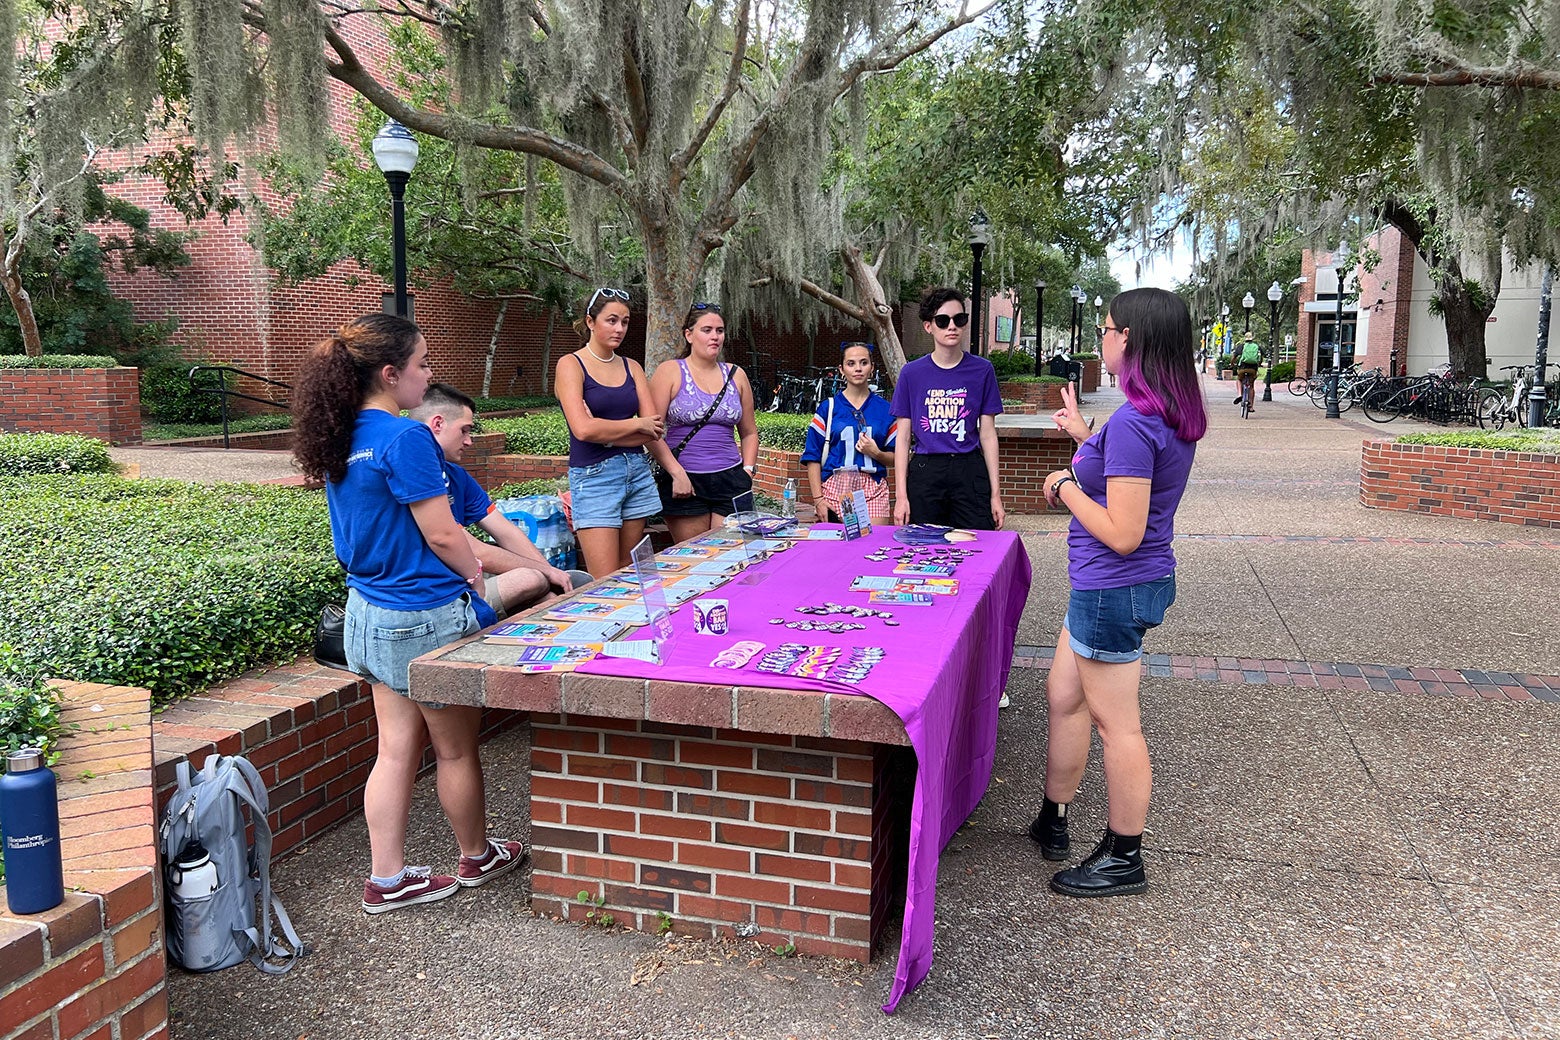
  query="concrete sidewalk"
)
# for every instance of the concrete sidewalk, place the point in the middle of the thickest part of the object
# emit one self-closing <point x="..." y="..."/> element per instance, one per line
<point x="1355" y="722"/>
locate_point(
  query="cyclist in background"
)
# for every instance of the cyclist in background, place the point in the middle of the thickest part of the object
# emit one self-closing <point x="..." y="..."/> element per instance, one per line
<point x="1247" y="361"/>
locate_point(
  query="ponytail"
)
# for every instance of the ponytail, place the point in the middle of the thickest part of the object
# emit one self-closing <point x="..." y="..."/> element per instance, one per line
<point x="335" y="379"/>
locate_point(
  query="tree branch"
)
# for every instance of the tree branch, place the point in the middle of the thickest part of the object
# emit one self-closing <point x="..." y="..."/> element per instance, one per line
<point x="684" y="157"/>
<point x="1517" y="74"/>
<point x="350" y="71"/>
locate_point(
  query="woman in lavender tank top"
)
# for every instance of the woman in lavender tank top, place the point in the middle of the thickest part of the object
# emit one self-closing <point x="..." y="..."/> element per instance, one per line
<point x="1122" y="489"/>
<point x="708" y="407"/>
<point x="606" y="400"/>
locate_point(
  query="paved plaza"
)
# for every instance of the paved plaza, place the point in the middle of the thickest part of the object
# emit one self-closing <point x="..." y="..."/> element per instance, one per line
<point x="1355" y="723"/>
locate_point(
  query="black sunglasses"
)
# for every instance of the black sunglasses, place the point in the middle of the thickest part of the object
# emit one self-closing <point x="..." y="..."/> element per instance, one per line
<point x="959" y="320"/>
<point x="713" y="308"/>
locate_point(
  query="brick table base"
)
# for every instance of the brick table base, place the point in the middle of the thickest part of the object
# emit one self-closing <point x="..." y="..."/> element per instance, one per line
<point x="801" y="838"/>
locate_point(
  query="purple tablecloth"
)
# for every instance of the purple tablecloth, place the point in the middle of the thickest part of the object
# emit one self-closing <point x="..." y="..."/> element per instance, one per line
<point x="945" y="670"/>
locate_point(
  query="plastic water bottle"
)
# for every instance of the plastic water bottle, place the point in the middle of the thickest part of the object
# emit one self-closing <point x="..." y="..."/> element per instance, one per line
<point x="30" y="828"/>
<point x="788" y="498"/>
<point x="193" y="875"/>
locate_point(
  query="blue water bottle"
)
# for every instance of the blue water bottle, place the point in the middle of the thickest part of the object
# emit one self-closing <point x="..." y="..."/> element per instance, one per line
<point x="30" y="829"/>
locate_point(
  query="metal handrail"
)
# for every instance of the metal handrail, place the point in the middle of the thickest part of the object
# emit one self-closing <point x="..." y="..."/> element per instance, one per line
<point x="222" y="389"/>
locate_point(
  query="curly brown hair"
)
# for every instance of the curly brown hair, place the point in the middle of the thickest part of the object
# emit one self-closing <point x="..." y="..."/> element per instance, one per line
<point x="335" y="379"/>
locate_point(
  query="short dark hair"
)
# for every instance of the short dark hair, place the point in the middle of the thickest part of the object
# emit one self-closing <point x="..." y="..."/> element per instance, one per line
<point x="441" y="399"/>
<point x="934" y="299"/>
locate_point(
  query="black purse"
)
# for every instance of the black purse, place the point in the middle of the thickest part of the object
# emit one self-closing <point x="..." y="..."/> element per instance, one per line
<point x="662" y="477"/>
<point x="330" y="637"/>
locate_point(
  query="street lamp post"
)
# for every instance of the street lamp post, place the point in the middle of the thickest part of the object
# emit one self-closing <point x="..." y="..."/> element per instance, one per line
<point x="1224" y="323"/>
<point x="1538" y="397"/>
<point x="395" y="153"/>
<point x="1275" y="293"/>
<point x="1098" y="303"/>
<point x="980" y="237"/>
<point x="1206" y="326"/>
<point x="1332" y="377"/>
<point x="1248" y="302"/>
<point x="1039" y="320"/>
<point x="1076" y="336"/>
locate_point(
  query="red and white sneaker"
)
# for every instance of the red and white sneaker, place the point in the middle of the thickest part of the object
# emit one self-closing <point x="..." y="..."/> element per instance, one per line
<point x="418" y="885"/>
<point x="501" y="858"/>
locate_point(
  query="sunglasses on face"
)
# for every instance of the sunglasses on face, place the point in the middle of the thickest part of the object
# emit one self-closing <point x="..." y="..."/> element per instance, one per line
<point x="959" y="320"/>
<point x="611" y="294"/>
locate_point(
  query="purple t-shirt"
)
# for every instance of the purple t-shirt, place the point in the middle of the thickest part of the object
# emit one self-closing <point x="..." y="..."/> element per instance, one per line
<point x="944" y="405"/>
<point x="1130" y="444"/>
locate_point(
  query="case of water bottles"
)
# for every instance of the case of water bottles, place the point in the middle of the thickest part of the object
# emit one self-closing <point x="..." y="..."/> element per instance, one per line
<point x="542" y="519"/>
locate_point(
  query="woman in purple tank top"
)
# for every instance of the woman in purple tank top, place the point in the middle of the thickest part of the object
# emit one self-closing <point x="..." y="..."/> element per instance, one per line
<point x="606" y="400"/>
<point x="708" y="407"/>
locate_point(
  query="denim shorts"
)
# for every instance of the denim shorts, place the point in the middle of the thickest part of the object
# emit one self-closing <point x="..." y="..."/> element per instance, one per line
<point x="380" y="643"/>
<point x="613" y="490"/>
<point x="1108" y="624"/>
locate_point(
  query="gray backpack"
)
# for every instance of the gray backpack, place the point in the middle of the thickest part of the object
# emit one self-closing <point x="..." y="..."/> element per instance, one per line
<point x="218" y="883"/>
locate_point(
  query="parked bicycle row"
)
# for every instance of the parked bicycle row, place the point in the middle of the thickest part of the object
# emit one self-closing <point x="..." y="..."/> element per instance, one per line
<point x="1434" y="397"/>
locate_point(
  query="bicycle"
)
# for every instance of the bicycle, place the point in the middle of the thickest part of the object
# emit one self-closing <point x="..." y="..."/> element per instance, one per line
<point x="1515" y="407"/>
<point x="1248" y="386"/>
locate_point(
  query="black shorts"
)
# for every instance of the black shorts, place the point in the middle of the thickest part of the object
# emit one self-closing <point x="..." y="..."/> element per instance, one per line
<point x="950" y="489"/>
<point x="712" y="492"/>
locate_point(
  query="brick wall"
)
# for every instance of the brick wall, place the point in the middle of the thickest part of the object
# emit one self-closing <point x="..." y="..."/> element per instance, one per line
<point x="95" y="402"/>
<point x="1513" y="487"/>
<point x="1033" y="398"/>
<point x="94" y="966"/>
<point x="717" y="829"/>
<point x="1024" y="462"/>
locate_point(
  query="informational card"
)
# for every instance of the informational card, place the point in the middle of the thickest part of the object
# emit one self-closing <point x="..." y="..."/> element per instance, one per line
<point x="647" y="650"/>
<point x="689" y="551"/>
<point x="935" y="570"/>
<point x="662" y="567"/>
<point x="905" y="583"/>
<point x="902" y="599"/>
<point x="819" y="534"/>
<point x="556" y="658"/>
<point x="614" y="589"/>
<point x="630" y="614"/>
<point x="727" y="564"/>
<point x="853" y="514"/>
<point x="520" y="632"/>
<point x="874" y="583"/>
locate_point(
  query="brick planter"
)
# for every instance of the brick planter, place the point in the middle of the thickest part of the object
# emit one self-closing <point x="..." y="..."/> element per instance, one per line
<point x="1029" y="447"/>
<point x="1090" y="379"/>
<point x="95" y="966"/>
<point x="1034" y="398"/>
<point x="1512" y="487"/>
<point x="95" y="402"/>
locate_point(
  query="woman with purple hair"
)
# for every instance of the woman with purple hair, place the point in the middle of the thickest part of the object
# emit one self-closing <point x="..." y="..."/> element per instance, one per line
<point x="1122" y="489"/>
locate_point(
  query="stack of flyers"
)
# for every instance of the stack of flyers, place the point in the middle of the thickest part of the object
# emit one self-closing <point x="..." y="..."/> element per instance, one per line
<point x="689" y="552"/>
<point x="667" y="568"/>
<point x="556" y="658"/>
<point x="632" y="615"/>
<point x="726" y="564"/>
<point x="902" y="599"/>
<point x="905" y="583"/>
<point x="532" y="631"/>
<point x="615" y="589"/>
<point x="941" y="570"/>
<point x="718" y="540"/>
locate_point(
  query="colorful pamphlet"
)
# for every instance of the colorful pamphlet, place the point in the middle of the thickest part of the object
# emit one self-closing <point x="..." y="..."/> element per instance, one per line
<point x="615" y="589"/>
<point x="941" y="570"/>
<point x="874" y="583"/>
<point x="665" y="568"/>
<point x="632" y="615"/>
<point x="556" y="658"/>
<point x="854" y="515"/>
<point x="905" y="583"/>
<point x="528" y="631"/>
<point x="902" y="599"/>
<point x="689" y="551"/>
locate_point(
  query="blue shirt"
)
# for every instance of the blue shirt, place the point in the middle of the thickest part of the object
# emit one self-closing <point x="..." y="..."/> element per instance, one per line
<point x="840" y="436"/>
<point x="468" y="502"/>
<point x="393" y="463"/>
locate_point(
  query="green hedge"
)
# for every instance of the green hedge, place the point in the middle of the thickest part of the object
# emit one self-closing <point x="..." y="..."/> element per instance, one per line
<point x="546" y="433"/>
<point x="1283" y="372"/>
<point x="155" y="431"/>
<point x="1086" y="356"/>
<point x="1057" y="380"/>
<point x="158" y="583"/>
<point x="504" y="404"/>
<point x="1542" y="441"/>
<point x="23" y="453"/>
<point x="58" y="361"/>
<point x="1010" y="364"/>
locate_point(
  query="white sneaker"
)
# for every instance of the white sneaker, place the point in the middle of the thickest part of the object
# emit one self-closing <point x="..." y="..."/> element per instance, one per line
<point x="1004" y="702"/>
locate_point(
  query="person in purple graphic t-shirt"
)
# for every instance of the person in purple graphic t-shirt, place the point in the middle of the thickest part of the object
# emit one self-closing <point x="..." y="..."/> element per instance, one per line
<point x="948" y="402"/>
<point x="1122" y="489"/>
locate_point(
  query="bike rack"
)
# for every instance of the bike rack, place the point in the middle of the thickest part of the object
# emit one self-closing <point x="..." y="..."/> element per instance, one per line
<point x="225" y="392"/>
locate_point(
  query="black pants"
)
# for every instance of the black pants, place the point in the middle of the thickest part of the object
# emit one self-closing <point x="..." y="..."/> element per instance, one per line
<point x="950" y="489"/>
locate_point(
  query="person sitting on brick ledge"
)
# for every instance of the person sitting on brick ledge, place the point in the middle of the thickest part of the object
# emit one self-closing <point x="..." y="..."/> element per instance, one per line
<point x="411" y="577"/>
<point x="516" y="573"/>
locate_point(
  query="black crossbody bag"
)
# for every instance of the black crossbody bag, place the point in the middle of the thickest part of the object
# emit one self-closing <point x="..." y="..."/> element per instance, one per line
<point x="660" y="472"/>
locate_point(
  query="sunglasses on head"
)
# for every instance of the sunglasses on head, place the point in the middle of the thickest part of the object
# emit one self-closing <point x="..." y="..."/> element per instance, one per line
<point x="712" y="308"/>
<point x="857" y="343"/>
<point x="611" y="294"/>
<point x="959" y="320"/>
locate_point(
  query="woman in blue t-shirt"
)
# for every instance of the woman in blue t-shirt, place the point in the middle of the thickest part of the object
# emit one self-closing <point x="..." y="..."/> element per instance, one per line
<point x="1123" y="488"/>
<point x="850" y="443"/>
<point x="410" y="576"/>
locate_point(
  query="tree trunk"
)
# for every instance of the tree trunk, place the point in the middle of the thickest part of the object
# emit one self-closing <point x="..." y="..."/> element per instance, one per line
<point x="21" y="302"/>
<point x="876" y="311"/>
<point x="1466" y="316"/>
<point x="487" y="364"/>
<point x="552" y="319"/>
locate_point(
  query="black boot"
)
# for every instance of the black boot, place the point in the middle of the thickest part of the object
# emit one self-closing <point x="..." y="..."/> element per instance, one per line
<point x="1050" y="830"/>
<point x="1114" y="868"/>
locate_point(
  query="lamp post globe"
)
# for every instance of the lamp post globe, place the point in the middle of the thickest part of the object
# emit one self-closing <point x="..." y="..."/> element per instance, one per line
<point x="1275" y="293"/>
<point x="395" y="153"/>
<point x="979" y="239"/>
<point x="1039" y="321"/>
<point x="1248" y="302"/>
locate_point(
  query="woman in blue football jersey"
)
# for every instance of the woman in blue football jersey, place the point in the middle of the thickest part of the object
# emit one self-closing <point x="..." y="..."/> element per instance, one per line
<point x="850" y="444"/>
